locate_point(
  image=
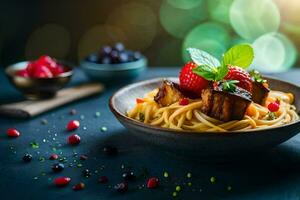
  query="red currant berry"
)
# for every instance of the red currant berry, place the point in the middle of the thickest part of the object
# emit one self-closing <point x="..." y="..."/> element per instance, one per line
<point x="273" y="107"/>
<point x="74" y="139"/>
<point x="72" y="125"/>
<point x="152" y="183"/>
<point x="11" y="132"/>
<point x="62" y="181"/>
<point x="78" y="186"/>
<point x="184" y="101"/>
<point x="53" y="157"/>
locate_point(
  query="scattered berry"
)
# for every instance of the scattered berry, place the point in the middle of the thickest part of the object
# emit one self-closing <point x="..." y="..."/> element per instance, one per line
<point x="128" y="176"/>
<point x="184" y="101"/>
<point x="73" y="125"/>
<point x="241" y="75"/>
<point x="62" y="181"/>
<point x="74" y="139"/>
<point x="58" y="167"/>
<point x="109" y="150"/>
<point x="153" y="183"/>
<point x="103" y="179"/>
<point x="83" y="157"/>
<point x="121" y="187"/>
<point x="79" y="186"/>
<point x="166" y="174"/>
<point x="189" y="175"/>
<point x="27" y="157"/>
<point x="191" y="82"/>
<point x="178" y="188"/>
<point x="53" y="157"/>
<point x="42" y="72"/>
<point x="174" y="194"/>
<point x="86" y="173"/>
<point x="273" y="107"/>
<point x="11" y="132"/>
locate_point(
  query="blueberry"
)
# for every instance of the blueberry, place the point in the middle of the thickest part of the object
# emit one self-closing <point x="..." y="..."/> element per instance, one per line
<point x="119" y="47"/>
<point x="92" y="58"/>
<point x="128" y="176"/>
<point x="109" y="150"/>
<point x="137" y="55"/>
<point x="114" y="55"/>
<point x="106" y="50"/>
<point x="121" y="187"/>
<point x="123" y="57"/>
<point x="58" y="167"/>
<point x="27" y="157"/>
<point x="86" y="173"/>
<point x="106" y="60"/>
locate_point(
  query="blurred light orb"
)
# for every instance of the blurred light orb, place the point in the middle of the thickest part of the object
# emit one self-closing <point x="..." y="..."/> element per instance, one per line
<point x="185" y="4"/>
<point x="219" y="10"/>
<point x="50" y="39"/>
<point x="274" y="52"/>
<point x="178" y="22"/>
<point x="137" y="21"/>
<point x="253" y="18"/>
<point x="211" y="37"/>
<point x="98" y="36"/>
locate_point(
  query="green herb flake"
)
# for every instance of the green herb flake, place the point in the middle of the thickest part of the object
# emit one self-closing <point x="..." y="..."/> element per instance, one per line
<point x="256" y="76"/>
<point x="178" y="188"/>
<point x="166" y="174"/>
<point x="141" y="117"/>
<point x="230" y="85"/>
<point x="34" y="145"/>
<point x="212" y="179"/>
<point x="174" y="194"/>
<point x="189" y="184"/>
<point x="189" y="175"/>
<point x="271" y="116"/>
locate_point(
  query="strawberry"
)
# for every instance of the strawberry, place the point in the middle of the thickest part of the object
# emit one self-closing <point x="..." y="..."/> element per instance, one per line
<point x="241" y="75"/>
<point x="191" y="82"/>
<point x="22" y="73"/>
<point x="42" y="71"/>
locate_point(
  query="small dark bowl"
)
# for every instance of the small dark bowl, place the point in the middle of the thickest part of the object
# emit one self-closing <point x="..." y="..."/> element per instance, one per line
<point x="120" y="72"/>
<point x="207" y="145"/>
<point x="38" y="88"/>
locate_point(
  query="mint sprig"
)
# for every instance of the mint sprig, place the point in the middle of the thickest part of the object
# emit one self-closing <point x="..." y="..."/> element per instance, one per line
<point x="230" y="85"/>
<point x="257" y="76"/>
<point x="211" y="69"/>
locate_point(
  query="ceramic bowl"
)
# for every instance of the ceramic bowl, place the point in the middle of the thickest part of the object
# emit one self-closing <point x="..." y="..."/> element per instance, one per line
<point x="122" y="72"/>
<point x="38" y="88"/>
<point x="206" y="144"/>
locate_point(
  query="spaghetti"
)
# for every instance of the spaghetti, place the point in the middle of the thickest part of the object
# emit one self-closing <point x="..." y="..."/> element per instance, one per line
<point x="189" y="117"/>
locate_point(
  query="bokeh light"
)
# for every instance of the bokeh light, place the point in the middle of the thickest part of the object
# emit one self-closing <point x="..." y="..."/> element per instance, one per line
<point x="185" y="4"/>
<point x="51" y="39"/>
<point x="210" y="37"/>
<point x="274" y="52"/>
<point x="98" y="36"/>
<point x="219" y="10"/>
<point x="253" y="18"/>
<point x="178" y="22"/>
<point x="137" y="21"/>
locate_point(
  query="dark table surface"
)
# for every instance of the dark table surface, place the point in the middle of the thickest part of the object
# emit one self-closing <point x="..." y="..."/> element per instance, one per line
<point x="271" y="175"/>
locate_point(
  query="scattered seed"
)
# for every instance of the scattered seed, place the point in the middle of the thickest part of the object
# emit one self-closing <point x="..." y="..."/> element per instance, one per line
<point x="79" y="165"/>
<point x="121" y="187"/>
<point x="97" y="114"/>
<point x="189" y="184"/>
<point x="229" y="188"/>
<point x="42" y="159"/>
<point x="166" y="174"/>
<point x="103" y="129"/>
<point x="178" y="188"/>
<point x="53" y="157"/>
<point x="58" y="167"/>
<point x="44" y="121"/>
<point x="34" y="145"/>
<point x="128" y="176"/>
<point x="73" y="112"/>
<point x="86" y="173"/>
<point x="189" y="175"/>
<point x="79" y="186"/>
<point x="82" y="117"/>
<point x="212" y="179"/>
<point x="174" y="194"/>
<point x="27" y="157"/>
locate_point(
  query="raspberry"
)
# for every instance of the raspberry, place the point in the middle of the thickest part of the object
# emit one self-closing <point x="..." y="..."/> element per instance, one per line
<point x="244" y="78"/>
<point x="72" y="125"/>
<point x="191" y="82"/>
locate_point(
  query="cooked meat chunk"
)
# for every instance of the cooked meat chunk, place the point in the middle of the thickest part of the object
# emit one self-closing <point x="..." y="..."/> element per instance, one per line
<point x="259" y="93"/>
<point x="224" y="105"/>
<point x="168" y="93"/>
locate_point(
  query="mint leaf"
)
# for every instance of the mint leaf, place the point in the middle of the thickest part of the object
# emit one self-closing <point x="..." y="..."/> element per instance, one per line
<point x="222" y="72"/>
<point x="256" y="76"/>
<point x="203" y="58"/>
<point x="206" y="71"/>
<point x="230" y="85"/>
<point x="239" y="55"/>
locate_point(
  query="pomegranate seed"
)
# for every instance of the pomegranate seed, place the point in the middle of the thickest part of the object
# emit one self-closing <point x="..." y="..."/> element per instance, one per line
<point x="184" y="101"/>
<point x="103" y="179"/>
<point x="273" y="107"/>
<point x="62" y="181"/>
<point x="78" y="186"/>
<point x="138" y="100"/>
<point x="72" y="125"/>
<point x="152" y="183"/>
<point x="83" y="157"/>
<point x="74" y="139"/>
<point x="11" y="132"/>
<point x="53" y="157"/>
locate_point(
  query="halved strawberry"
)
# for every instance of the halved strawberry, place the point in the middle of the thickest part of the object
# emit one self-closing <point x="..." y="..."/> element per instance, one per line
<point x="241" y="75"/>
<point x="191" y="82"/>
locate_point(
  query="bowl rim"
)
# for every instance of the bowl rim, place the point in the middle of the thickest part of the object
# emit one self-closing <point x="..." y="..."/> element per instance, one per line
<point x="10" y="68"/>
<point x="119" y="114"/>
<point x="114" y="67"/>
